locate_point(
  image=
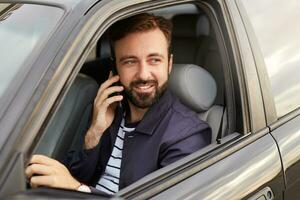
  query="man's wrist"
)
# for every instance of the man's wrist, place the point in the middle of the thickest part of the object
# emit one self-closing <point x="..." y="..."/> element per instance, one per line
<point x="92" y="138"/>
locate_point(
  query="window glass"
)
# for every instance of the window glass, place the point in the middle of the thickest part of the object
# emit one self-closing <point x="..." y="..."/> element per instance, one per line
<point x="275" y="24"/>
<point x="23" y="30"/>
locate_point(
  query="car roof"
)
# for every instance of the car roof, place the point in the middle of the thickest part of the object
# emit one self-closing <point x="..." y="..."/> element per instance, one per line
<point x="65" y="4"/>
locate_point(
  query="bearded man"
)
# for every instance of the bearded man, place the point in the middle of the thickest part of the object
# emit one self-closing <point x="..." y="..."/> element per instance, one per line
<point x="138" y="125"/>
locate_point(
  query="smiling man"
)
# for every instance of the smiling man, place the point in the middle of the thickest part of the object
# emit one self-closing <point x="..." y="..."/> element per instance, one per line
<point x="148" y="130"/>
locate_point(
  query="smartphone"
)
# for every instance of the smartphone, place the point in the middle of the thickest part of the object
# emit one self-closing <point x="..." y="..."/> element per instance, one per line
<point x="114" y="69"/>
<point x="114" y="72"/>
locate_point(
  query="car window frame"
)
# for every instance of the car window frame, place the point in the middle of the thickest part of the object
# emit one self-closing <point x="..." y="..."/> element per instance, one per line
<point x="184" y="162"/>
<point x="268" y="99"/>
<point x="115" y="20"/>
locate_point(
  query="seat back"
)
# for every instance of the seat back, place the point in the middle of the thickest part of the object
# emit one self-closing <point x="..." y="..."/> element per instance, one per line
<point x="70" y="121"/>
<point x="197" y="89"/>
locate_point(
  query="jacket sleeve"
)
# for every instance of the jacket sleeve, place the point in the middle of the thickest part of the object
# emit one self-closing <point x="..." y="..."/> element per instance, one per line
<point x="194" y="139"/>
<point x="82" y="163"/>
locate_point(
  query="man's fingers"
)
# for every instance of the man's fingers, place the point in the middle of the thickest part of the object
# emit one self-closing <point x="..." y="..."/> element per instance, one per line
<point x="111" y="100"/>
<point x="41" y="159"/>
<point x="37" y="181"/>
<point x="37" y="169"/>
<point x="55" y="181"/>
<point x="108" y="92"/>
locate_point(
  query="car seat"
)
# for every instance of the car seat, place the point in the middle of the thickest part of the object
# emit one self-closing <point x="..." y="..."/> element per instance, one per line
<point x="71" y="119"/>
<point x="197" y="89"/>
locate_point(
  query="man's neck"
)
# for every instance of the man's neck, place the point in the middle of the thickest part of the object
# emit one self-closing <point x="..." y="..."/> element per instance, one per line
<point x="136" y="114"/>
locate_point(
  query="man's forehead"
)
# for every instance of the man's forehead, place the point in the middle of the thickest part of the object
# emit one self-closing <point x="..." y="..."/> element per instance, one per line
<point x="143" y="37"/>
<point x="147" y="43"/>
<point x="154" y="31"/>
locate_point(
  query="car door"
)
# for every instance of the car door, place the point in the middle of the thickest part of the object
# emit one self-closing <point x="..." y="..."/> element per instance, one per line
<point x="279" y="64"/>
<point x="286" y="131"/>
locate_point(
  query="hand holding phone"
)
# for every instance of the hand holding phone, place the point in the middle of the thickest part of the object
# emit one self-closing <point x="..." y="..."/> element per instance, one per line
<point x="104" y="110"/>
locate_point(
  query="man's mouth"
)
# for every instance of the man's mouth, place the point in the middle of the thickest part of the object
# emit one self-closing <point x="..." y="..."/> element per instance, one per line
<point x="144" y="88"/>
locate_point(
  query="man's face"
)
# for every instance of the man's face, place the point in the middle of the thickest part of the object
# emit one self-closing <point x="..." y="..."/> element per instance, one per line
<point x="143" y="66"/>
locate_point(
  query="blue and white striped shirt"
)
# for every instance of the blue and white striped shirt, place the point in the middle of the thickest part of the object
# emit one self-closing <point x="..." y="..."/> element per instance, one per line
<point x="109" y="182"/>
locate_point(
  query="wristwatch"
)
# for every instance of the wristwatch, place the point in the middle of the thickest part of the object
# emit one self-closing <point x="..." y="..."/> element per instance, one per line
<point x="84" y="188"/>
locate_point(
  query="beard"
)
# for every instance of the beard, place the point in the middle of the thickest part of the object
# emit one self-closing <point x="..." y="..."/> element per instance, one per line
<point x="144" y="99"/>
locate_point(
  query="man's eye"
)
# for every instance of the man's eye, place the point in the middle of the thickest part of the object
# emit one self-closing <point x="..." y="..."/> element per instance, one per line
<point x="154" y="61"/>
<point x="129" y="62"/>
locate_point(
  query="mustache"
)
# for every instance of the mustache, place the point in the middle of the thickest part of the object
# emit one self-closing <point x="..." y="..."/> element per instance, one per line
<point x="143" y="82"/>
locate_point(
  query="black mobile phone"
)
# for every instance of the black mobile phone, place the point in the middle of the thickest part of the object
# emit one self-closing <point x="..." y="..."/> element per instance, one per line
<point x="114" y="69"/>
<point x="114" y="72"/>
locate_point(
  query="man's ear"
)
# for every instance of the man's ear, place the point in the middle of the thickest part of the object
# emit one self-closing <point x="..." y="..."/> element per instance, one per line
<point x="170" y="64"/>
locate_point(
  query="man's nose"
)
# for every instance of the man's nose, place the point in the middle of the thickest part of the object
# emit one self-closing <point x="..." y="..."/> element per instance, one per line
<point x="143" y="71"/>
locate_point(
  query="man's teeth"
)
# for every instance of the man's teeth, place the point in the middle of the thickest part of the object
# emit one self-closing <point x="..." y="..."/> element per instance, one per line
<point x="144" y="86"/>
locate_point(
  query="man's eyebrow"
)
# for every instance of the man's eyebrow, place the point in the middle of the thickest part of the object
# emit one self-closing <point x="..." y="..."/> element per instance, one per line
<point x="156" y="55"/>
<point x="127" y="57"/>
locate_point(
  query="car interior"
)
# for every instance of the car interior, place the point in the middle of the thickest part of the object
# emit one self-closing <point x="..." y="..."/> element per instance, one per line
<point x="197" y="78"/>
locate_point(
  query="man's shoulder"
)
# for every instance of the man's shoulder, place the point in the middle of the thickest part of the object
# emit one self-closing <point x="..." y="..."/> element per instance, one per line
<point x="184" y="123"/>
<point x="179" y="110"/>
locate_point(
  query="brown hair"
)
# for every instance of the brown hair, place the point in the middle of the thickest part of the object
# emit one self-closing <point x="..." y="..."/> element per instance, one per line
<point x="139" y="23"/>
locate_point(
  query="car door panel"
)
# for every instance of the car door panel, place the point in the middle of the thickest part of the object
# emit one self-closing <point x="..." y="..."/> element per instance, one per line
<point x="288" y="139"/>
<point x="240" y="175"/>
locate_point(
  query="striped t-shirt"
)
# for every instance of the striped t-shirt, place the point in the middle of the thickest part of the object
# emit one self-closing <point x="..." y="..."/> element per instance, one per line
<point x="109" y="181"/>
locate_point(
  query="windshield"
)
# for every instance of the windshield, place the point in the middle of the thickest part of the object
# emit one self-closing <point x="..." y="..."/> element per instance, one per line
<point x="24" y="28"/>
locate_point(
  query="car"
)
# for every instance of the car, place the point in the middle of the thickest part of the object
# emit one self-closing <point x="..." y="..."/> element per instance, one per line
<point x="55" y="53"/>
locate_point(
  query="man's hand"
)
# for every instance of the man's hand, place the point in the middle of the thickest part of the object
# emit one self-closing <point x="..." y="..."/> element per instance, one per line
<point x="104" y="111"/>
<point x="45" y="171"/>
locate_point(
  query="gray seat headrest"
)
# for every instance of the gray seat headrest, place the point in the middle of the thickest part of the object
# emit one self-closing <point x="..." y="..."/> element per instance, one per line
<point x="194" y="86"/>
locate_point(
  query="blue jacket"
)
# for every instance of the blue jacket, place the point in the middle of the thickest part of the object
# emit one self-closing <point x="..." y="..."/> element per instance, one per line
<point x="168" y="132"/>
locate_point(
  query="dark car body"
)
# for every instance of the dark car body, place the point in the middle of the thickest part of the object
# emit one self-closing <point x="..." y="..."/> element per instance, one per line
<point x="259" y="159"/>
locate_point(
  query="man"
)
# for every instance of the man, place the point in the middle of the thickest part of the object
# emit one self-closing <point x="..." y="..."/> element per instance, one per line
<point x="147" y="131"/>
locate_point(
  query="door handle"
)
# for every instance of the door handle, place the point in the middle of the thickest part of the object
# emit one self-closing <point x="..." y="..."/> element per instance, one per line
<point x="264" y="194"/>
